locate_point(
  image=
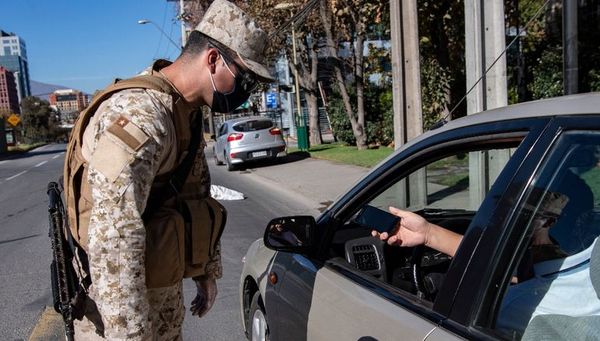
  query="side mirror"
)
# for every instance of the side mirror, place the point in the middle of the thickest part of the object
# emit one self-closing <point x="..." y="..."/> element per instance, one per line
<point x="292" y="234"/>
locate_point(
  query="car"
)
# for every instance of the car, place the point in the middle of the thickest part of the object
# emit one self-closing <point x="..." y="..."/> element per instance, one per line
<point x="484" y="177"/>
<point x="247" y="139"/>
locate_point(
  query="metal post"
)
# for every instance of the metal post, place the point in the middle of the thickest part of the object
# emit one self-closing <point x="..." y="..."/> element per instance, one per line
<point x="296" y="82"/>
<point x="484" y="42"/>
<point x="183" y="32"/>
<point x="397" y="72"/>
<point x="570" y="48"/>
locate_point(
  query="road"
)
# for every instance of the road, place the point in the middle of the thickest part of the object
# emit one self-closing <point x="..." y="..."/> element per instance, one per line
<point x="25" y="246"/>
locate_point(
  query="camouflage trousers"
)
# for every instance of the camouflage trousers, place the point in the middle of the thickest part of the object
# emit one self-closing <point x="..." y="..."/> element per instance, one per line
<point x="166" y="316"/>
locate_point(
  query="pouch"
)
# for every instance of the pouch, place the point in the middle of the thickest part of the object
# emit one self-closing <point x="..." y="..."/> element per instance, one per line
<point x="165" y="245"/>
<point x="205" y="222"/>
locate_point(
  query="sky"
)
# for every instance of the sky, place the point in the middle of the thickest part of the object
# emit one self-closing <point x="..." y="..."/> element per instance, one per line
<point x="85" y="44"/>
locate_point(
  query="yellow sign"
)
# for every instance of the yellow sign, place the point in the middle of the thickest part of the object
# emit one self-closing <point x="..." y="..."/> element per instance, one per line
<point x="13" y="119"/>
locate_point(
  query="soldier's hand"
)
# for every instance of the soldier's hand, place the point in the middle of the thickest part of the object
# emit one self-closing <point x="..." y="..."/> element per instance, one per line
<point x="207" y="292"/>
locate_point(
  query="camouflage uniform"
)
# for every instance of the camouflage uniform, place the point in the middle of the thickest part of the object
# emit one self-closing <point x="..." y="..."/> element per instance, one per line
<point x="121" y="174"/>
<point x="122" y="168"/>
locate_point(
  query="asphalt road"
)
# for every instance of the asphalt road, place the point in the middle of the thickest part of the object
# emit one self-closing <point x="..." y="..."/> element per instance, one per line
<point x="25" y="246"/>
<point x="24" y="243"/>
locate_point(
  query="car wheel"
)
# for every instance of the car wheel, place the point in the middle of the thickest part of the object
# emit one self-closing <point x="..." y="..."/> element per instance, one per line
<point x="230" y="166"/>
<point x="257" y="320"/>
<point x="217" y="162"/>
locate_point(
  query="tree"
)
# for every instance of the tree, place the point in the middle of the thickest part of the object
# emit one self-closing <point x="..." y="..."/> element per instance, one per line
<point x="346" y="24"/>
<point x="38" y="119"/>
<point x="307" y="35"/>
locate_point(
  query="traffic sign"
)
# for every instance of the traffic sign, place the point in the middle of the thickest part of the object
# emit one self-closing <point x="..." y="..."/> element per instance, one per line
<point x="13" y="119"/>
<point x="271" y="100"/>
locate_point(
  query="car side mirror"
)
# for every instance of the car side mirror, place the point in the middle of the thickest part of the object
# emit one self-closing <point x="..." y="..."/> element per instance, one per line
<point x="292" y="234"/>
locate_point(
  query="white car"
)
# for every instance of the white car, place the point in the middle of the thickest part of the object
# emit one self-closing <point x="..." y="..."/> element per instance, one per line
<point x="248" y="139"/>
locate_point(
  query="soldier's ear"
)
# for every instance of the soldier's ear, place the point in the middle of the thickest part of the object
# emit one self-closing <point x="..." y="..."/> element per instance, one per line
<point x="212" y="55"/>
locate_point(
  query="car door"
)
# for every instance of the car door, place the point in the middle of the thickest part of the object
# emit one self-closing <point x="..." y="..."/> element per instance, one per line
<point x="356" y="288"/>
<point x="221" y="141"/>
<point x="563" y="162"/>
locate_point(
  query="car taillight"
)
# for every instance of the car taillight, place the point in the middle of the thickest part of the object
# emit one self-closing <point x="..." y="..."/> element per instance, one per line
<point x="275" y="131"/>
<point x="234" y="137"/>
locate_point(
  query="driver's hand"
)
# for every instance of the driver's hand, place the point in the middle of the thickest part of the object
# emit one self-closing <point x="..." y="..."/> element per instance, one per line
<point x="412" y="229"/>
<point x="206" y="294"/>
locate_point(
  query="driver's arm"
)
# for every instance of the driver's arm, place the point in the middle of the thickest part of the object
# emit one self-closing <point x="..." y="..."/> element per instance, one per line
<point x="413" y="230"/>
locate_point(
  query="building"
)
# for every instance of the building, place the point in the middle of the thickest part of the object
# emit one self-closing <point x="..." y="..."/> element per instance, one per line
<point x="69" y="101"/>
<point x="9" y="100"/>
<point x="13" y="56"/>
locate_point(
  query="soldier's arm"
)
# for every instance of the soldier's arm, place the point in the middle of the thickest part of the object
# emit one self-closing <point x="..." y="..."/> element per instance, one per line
<point x="214" y="268"/>
<point x="130" y="142"/>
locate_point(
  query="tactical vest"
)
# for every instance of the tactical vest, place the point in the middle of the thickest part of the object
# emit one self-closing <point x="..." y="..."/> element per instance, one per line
<point x="183" y="233"/>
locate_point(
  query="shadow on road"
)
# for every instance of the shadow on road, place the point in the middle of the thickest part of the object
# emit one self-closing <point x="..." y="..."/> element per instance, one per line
<point x="17" y="239"/>
<point x="22" y="155"/>
<point x="292" y="157"/>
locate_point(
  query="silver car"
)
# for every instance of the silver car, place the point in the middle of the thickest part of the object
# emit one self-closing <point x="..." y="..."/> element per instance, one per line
<point x="329" y="279"/>
<point x="247" y="139"/>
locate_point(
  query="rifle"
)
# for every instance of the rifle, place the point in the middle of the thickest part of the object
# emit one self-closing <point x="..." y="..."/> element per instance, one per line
<point x="63" y="276"/>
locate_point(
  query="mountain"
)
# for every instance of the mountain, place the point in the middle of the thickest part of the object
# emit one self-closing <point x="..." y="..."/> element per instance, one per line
<point x="42" y="90"/>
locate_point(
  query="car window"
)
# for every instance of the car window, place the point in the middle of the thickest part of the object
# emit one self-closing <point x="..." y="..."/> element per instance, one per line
<point x="551" y="288"/>
<point x="223" y="129"/>
<point x="252" y="125"/>
<point x="445" y="192"/>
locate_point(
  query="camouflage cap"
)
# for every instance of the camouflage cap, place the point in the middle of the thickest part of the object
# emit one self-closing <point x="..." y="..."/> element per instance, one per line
<point x="230" y="26"/>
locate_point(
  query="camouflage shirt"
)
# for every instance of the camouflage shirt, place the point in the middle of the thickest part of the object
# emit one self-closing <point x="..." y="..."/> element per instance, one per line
<point x="129" y="141"/>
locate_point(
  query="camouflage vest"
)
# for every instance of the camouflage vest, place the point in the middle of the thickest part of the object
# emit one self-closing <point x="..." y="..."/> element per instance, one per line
<point x="182" y="235"/>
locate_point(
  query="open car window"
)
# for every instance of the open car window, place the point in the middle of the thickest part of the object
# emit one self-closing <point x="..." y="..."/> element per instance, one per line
<point x="444" y="191"/>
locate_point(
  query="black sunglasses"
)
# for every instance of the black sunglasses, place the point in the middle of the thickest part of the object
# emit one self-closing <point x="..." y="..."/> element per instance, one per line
<point x="245" y="79"/>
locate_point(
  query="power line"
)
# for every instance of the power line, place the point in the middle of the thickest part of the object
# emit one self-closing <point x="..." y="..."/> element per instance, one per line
<point x="297" y="18"/>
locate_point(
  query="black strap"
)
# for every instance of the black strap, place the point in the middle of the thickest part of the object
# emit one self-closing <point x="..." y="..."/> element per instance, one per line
<point x="179" y="175"/>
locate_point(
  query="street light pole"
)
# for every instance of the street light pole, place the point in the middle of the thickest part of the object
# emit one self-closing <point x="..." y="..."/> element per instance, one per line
<point x="146" y="21"/>
<point x="299" y="121"/>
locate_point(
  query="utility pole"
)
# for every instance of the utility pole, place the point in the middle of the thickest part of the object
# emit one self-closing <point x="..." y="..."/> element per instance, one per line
<point x="406" y="76"/>
<point x="570" y="48"/>
<point x="484" y="42"/>
<point x="182" y="20"/>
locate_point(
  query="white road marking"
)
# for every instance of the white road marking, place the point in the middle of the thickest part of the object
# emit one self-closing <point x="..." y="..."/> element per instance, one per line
<point x="56" y="156"/>
<point x="39" y="164"/>
<point x="14" y="176"/>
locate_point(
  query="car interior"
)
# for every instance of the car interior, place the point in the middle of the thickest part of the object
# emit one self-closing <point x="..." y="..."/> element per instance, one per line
<point x="418" y="270"/>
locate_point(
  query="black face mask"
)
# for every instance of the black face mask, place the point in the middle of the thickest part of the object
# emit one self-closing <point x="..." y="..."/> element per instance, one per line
<point x="227" y="102"/>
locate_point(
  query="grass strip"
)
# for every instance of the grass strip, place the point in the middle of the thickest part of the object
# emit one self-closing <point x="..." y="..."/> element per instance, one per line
<point x="341" y="153"/>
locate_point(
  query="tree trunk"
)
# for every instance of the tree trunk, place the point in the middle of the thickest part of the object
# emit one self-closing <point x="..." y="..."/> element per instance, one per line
<point x="361" y="137"/>
<point x="311" y="96"/>
<point x="313" y="118"/>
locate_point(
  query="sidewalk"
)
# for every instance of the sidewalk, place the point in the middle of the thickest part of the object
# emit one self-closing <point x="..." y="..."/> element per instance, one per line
<point x="319" y="182"/>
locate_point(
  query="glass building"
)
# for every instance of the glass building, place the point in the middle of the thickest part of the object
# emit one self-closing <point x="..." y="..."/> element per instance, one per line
<point x="13" y="56"/>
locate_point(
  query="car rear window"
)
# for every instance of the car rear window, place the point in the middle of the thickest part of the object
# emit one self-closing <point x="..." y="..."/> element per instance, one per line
<point x="253" y="125"/>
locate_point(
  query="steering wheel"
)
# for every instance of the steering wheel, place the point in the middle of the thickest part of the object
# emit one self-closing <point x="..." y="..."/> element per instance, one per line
<point x="417" y="273"/>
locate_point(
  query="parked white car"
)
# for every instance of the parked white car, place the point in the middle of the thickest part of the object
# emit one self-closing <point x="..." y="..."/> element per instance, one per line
<point x="247" y="139"/>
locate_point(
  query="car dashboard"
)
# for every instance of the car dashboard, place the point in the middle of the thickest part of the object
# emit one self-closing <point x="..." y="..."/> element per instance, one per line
<point x="396" y="265"/>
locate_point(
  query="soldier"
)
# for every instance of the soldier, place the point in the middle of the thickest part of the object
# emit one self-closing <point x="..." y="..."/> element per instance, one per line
<point x="124" y="150"/>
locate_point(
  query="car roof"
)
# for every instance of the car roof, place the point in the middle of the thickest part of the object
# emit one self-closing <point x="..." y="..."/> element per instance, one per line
<point x="247" y="118"/>
<point x="588" y="103"/>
